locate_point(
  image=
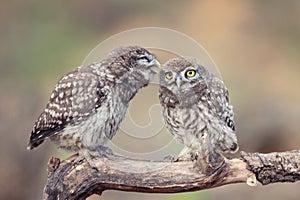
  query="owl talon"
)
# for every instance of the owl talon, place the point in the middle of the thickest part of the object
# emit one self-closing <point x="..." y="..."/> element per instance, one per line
<point x="78" y="159"/>
<point x="194" y="156"/>
<point x="169" y="158"/>
<point x="191" y="156"/>
<point x="182" y="159"/>
<point x="187" y="154"/>
<point x="98" y="151"/>
<point x="87" y="156"/>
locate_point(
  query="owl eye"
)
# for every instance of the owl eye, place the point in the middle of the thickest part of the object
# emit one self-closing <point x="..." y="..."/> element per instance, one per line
<point x="190" y="73"/>
<point x="169" y="75"/>
<point x="146" y="58"/>
<point x="230" y="123"/>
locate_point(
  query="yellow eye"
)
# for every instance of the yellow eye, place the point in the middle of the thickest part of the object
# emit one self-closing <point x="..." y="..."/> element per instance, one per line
<point x="190" y="73"/>
<point x="169" y="75"/>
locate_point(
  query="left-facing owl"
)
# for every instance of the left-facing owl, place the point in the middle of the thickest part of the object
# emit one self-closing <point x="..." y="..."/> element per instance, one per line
<point x="88" y="104"/>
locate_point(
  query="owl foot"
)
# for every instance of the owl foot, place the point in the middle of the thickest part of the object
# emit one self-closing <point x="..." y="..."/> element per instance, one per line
<point x="85" y="154"/>
<point x="182" y="159"/>
<point x="186" y="154"/>
<point x="176" y="159"/>
<point x="89" y="152"/>
<point x="191" y="156"/>
<point x="169" y="158"/>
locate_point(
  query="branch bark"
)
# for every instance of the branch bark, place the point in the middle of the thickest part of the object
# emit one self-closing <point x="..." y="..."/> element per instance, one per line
<point x="69" y="181"/>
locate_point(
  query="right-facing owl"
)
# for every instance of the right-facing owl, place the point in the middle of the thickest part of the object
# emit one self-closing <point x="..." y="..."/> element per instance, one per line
<point x="196" y="108"/>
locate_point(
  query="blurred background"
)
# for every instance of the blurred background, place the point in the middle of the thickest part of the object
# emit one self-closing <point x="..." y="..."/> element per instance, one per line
<point x="255" y="45"/>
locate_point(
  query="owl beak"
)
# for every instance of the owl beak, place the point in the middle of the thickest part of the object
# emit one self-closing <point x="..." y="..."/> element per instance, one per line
<point x="154" y="66"/>
<point x="178" y="82"/>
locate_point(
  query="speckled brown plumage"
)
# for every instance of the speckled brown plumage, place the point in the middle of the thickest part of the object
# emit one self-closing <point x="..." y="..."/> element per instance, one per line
<point x="88" y="104"/>
<point x="196" y="107"/>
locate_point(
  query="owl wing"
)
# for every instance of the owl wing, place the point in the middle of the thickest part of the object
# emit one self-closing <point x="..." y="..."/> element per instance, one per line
<point x="76" y="96"/>
<point x="218" y="96"/>
<point x="218" y="101"/>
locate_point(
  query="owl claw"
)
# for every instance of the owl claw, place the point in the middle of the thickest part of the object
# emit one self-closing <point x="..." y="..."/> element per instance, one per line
<point x="182" y="159"/>
<point x="87" y="156"/>
<point x="169" y="158"/>
<point x="184" y="152"/>
<point x="190" y="156"/>
<point x="176" y="159"/>
<point x="194" y="156"/>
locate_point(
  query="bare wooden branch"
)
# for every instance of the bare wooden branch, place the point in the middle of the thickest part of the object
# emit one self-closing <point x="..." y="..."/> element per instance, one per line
<point x="274" y="167"/>
<point x="69" y="181"/>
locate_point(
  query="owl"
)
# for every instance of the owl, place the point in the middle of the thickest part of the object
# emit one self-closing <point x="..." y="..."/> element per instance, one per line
<point x="88" y="104"/>
<point x="196" y="109"/>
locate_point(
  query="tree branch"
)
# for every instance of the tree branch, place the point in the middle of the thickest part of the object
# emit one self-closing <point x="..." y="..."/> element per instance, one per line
<point x="69" y="181"/>
<point x="274" y="167"/>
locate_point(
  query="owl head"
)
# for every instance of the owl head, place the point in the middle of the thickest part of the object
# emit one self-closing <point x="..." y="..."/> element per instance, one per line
<point x="132" y="63"/>
<point x="179" y="75"/>
<point x="133" y="58"/>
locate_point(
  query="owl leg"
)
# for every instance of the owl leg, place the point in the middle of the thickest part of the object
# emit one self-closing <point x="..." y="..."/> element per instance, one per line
<point x="186" y="154"/>
<point x="85" y="154"/>
<point x="95" y="151"/>
<point x="185" y="151"/>
<point x="170" y="158"/>
<point x="100" y="151"/>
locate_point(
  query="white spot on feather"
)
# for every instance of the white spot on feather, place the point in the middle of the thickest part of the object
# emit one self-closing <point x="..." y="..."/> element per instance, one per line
<point x="61" y="95"/>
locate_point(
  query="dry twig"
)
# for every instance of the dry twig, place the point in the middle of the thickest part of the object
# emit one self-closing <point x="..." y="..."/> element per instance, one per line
<point x="69" y="181"/>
